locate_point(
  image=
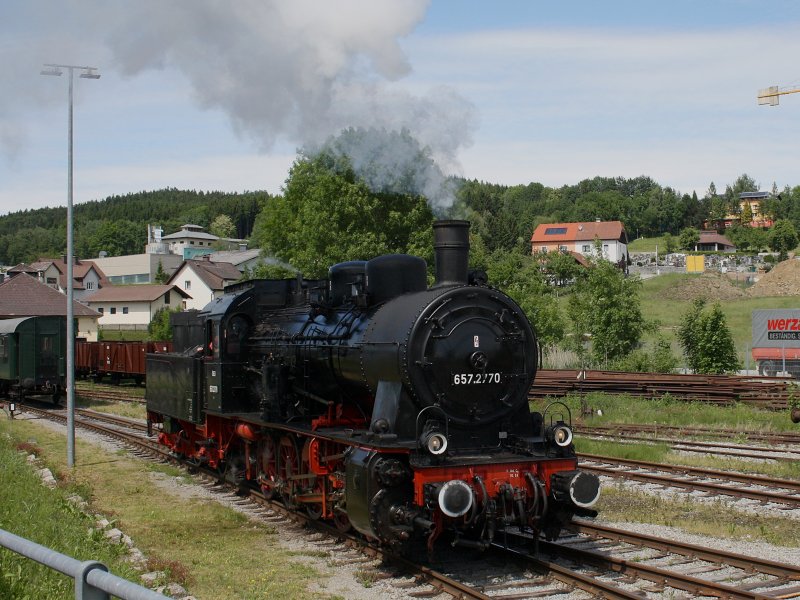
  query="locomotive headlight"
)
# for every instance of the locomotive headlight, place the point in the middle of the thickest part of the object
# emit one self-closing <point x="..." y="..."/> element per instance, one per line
<point x="435" y="443"/>
<point x="561" y="435"/>
<point x="455" y="498"/>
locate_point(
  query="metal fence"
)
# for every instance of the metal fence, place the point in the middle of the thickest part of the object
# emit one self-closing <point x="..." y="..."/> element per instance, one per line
<point x="92" y="579"/>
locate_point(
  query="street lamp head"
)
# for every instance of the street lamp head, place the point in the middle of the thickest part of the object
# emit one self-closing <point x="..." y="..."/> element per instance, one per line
<point x="90" y="74"/>
<point x="51" y="71"/>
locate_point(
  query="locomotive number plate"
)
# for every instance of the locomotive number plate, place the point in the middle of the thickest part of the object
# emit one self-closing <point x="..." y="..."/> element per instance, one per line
<point x="475" y="378"/>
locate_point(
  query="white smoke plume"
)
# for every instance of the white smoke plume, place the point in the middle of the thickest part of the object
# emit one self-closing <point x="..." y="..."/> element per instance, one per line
<point x="298" y="71"/>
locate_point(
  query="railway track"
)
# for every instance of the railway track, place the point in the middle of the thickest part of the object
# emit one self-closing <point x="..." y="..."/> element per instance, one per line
<point x="624" y="431"/>
<point x="109" y="393"/>
<point x="766" y="392"/>
<point x="600" y="561"/>
<point x="785" y="492"/>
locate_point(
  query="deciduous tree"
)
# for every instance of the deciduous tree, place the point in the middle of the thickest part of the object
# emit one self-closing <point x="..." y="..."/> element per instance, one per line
<point x="706" y="340"/>
<point x="606" y="304"/>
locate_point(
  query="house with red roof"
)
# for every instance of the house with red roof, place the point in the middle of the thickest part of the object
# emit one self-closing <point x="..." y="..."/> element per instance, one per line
<point x="25" y="296"/>
<point x="204" y="280"/>
<point x="583" y="239"/>
<point x="132" y="307"/>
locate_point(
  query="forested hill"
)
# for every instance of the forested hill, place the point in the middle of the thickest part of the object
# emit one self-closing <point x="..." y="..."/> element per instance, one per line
<point x="118" y="224"/>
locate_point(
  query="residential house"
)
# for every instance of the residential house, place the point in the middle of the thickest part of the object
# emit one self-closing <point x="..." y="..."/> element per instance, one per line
<point x="132" y="307"/>
<point x="25" y="296"/>
<point x="87" y="277"/>
<point x="753" y="200"/>
<point x="583" y="239"/>
<point x="204" y="280"/>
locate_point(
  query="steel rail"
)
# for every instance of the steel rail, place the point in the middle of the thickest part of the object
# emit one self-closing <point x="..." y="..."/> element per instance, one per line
<point x="666" y="481"/>
<point x="747" y="563"/>
<point x="621" y="428"/>
<point x="766" y="481"/>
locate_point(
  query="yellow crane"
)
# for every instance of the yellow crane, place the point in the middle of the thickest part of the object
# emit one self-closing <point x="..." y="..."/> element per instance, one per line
<point x="771" y="95"/>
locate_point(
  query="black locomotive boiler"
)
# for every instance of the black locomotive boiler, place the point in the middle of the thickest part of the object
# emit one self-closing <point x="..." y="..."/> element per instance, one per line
<point x="375" y="401"/>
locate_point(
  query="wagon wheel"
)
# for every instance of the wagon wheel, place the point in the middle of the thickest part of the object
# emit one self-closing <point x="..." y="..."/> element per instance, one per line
<point x="268" y="465"/>
<point x="288" y="466"/>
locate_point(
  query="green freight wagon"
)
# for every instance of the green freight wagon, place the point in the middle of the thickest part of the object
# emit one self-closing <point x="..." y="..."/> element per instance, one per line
<point x="33" y="353"/>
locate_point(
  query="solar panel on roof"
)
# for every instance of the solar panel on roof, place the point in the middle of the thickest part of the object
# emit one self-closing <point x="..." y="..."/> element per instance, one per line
<point x="555" y="231"/>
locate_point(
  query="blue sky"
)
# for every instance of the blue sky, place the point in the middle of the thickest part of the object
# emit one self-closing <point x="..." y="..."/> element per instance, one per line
<point x="198" y="96"/>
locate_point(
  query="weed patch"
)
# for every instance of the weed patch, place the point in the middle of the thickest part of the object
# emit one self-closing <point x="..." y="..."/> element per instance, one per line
<point x="717" y="519"/>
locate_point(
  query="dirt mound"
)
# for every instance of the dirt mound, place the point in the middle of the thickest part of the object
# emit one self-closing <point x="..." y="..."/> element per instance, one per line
<point x="711" y="286"/>
<point x="782" y="280"/>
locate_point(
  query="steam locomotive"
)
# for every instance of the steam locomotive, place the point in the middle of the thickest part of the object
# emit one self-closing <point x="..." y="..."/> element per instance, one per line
<point x="375" y="401"/>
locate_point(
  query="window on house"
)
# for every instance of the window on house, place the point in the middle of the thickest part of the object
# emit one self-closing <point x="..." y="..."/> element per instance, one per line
<point x="113" y="310"/>
<point x="51" y="281"/>
<point x="199" y="243"/>
<point x="124" y="310"/>
<point x="90" y="285"/>
<point x="187" y="285"/>
<point x="192" y="242"/>
<point x="166" y="298"/>
<point x="100" y="309"/>
<point x="586" y="248"/>
<point x="562" y="248"/>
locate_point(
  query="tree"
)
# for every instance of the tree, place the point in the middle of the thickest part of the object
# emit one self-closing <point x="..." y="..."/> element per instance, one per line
<point x="521" y="277"/>
<point x="782" y="238"/>
<point x="747" y="215"/>
<point x="688" y="238"/>
<point x="222" y="226"/>
<point x="669" y="243"/>
<point x="328" y="215"/>
<point x="606" y="304"/>
<point x="161" y="275"/>
<point x="158" y="328"/>
<point x="561" y="267"/>
<point x="706" y="340"/>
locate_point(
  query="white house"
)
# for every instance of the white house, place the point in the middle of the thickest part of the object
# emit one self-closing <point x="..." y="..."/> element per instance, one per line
<point x="203" y="281"/>
<point x="132" y="307"/>
<point x="581" y="238"/>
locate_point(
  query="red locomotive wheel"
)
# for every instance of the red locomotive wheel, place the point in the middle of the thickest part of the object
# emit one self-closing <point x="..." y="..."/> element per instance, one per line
<point x="268" y="459"/>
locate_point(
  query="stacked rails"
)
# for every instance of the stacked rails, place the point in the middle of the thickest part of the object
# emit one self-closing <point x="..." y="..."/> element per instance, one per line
<point x="765" y="392"/>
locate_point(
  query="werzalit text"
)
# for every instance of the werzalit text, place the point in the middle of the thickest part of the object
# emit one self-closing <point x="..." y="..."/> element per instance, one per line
<point x="783" y="324"/>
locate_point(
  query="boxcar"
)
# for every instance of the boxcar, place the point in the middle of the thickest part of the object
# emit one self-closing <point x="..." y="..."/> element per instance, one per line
<point x="116" y="360"/>
<point x="33" y="356"/>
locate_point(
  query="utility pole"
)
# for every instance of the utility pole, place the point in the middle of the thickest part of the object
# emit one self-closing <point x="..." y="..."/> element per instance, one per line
<point x="85" y="73"/>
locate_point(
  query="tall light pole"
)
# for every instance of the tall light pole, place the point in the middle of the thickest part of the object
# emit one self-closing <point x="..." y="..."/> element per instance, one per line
<point x="85" y="73"/>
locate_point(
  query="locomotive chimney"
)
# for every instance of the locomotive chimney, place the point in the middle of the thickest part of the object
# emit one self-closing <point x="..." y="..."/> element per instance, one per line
<point x="451" y="248"/>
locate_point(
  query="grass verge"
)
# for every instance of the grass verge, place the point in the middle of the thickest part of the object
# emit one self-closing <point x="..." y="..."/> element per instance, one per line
<point x="215" y="550"/>
<point x="45" y="516"/>
<point x="715" y="519"/>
